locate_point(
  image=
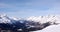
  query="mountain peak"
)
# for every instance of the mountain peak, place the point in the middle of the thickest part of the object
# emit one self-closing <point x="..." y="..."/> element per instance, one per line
<point x="3" y="15"/>
<point x="44" y="19"/>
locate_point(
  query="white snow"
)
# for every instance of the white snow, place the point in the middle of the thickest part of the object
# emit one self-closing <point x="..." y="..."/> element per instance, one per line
<point x="15" y="18"/>
<point x="41" y="19"/>
<point x="52" y="28"/>
<point x="4" y="19"/>
<point x="44" y="19"/>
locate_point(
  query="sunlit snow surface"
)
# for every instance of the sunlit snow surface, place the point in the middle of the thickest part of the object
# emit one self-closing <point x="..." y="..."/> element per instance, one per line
<point x="51" y="28"/>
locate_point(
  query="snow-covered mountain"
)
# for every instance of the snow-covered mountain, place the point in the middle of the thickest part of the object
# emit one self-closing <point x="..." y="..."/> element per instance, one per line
<point x="41" y="19"/>
<point x="44" y="19"/>
<point x="4" y="19"/>
<point x="15" y="23"/>
<point x="30" y="23"/>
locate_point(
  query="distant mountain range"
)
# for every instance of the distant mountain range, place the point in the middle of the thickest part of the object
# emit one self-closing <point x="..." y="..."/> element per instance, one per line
<point x="44" y="19"/>
<point x="30" y="23"/>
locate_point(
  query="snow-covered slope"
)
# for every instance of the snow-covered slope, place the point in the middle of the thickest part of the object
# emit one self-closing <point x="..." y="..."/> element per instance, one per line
<point x="51" y="28"/>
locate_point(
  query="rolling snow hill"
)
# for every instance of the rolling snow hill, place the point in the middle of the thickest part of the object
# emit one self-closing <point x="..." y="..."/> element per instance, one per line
<point x="51" y="28"/>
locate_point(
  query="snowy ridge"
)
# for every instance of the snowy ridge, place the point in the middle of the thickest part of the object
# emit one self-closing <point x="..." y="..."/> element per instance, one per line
<point x="41" y="19"/>
<point x="41" y="23"/>
<point x="44" y="19"/>
<point x="15" y="23"/>
<point x="5" y="19"/>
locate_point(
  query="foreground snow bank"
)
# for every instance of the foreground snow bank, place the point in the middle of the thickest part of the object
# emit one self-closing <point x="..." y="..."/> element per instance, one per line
<point x="52" y="28"/>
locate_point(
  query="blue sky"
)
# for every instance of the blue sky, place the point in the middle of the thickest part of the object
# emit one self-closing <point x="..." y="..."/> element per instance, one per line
<point x="27" y="8"/>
